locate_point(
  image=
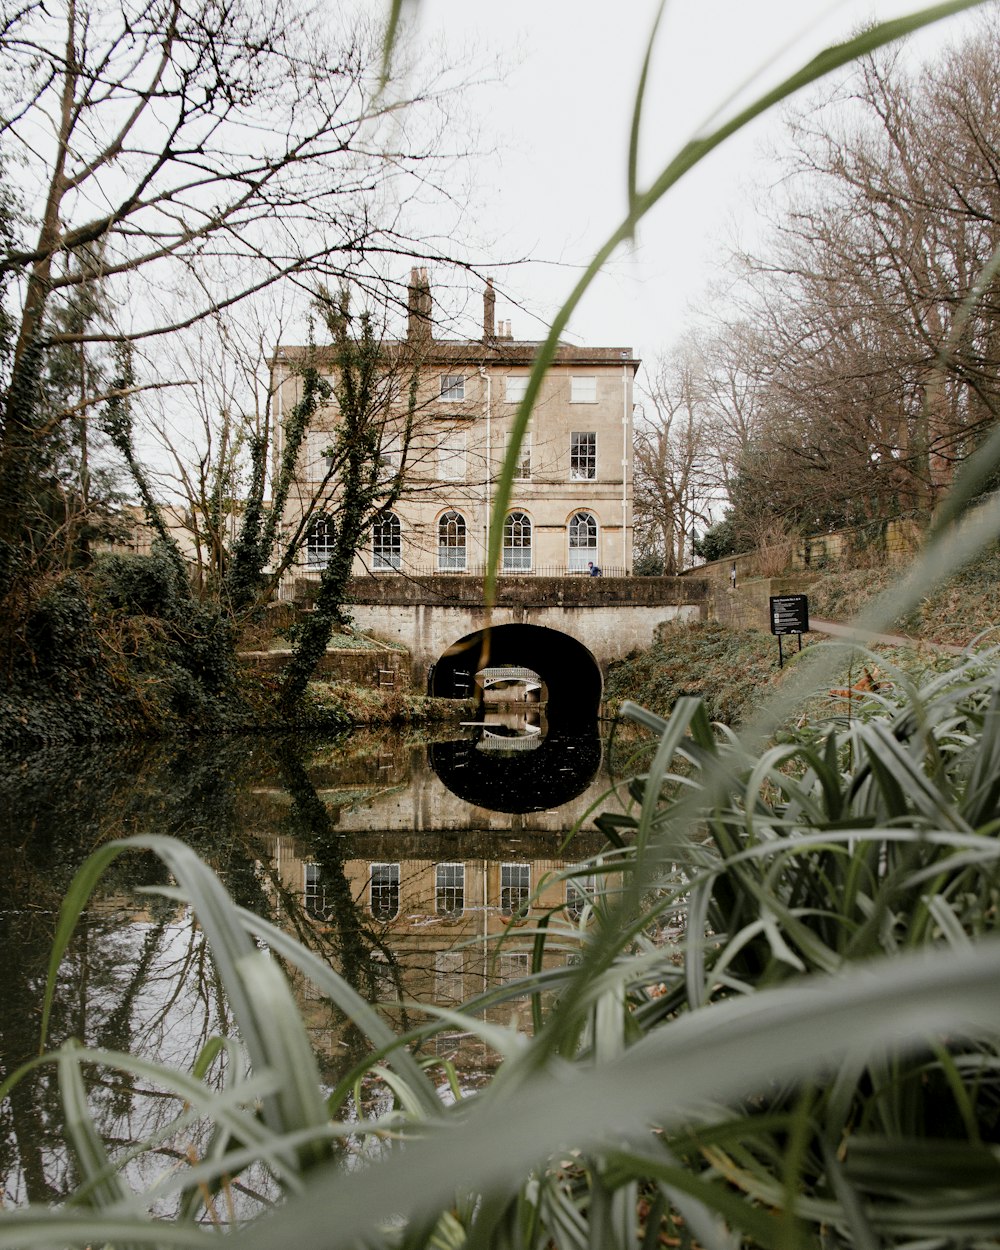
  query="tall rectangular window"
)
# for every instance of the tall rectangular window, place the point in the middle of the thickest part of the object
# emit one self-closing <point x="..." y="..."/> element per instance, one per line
<point x="385" y="891"/>
<point x="450" y="889"/>
<point x="583" y="390"/>
<point x="515" y="388"/>
<point x="314" y="895"/>
<point x="515" y="888"/>
<point x="387" y="544"/>
<point x="522" y="471"/>
<point x="383" y="986"/>
<point x="451" y="542"/>
<point x="516" y="556"/>
<point x="319" y="454"/>
<point x="449" y="981"/>
<point x="451" y="456"/>
<point x="512" y="966"/>
<point x="391" y="458"/>
<point x="580" y="892"/>
<point x="452" y="386"/>
<point x="583" y="456"/>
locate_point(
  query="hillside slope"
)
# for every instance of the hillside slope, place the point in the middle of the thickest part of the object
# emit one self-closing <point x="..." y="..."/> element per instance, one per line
<point x="955" y="612"/>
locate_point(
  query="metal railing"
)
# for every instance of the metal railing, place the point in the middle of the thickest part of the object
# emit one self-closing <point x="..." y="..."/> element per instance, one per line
<point x="476" y="570"/>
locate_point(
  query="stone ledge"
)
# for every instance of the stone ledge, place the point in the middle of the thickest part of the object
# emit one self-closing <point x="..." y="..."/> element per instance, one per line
<point x="575" y="592"/>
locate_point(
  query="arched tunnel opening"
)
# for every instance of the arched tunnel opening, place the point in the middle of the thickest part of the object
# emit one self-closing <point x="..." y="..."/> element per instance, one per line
<point x="570" y="673"/>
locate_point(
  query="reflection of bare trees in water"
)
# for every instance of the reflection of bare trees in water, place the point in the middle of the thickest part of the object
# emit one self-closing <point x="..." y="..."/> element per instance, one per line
<point x="138" y="975"/>
<point x="357" y="948"/>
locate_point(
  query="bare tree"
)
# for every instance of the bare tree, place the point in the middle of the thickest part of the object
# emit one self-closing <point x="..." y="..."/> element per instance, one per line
<point x="675" y="465"/>
<point x="875" y="312"/>
<point x="734" y="366"/>
<point x="185" y="144"/>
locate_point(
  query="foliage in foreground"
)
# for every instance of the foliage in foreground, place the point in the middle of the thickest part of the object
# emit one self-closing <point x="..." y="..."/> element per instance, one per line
<point x="782" y="1027"/>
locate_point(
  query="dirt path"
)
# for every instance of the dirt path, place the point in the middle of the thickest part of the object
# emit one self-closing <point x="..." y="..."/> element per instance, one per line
<point x="836" y="630"/>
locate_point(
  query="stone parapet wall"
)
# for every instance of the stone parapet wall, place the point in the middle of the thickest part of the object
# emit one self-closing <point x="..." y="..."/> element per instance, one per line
<point x="892" y="542"/>
<point x="516" y="592"/>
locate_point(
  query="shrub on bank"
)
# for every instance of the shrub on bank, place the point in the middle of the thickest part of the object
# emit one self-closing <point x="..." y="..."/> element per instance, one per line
<point x="119" y="649"/>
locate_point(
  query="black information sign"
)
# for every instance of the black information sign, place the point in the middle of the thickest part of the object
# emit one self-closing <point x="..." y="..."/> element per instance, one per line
<point x="789" y="615"/>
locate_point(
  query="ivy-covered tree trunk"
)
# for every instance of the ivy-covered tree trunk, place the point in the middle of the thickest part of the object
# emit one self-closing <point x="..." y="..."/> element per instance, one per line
<point x="363" y="493"/>
<point x="245" y="581"/>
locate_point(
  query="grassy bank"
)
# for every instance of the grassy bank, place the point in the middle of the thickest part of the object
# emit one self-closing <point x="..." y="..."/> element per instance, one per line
<point x="956" y="612"/>
<point x="365" y="705"/>
<point x="727" y="668"/>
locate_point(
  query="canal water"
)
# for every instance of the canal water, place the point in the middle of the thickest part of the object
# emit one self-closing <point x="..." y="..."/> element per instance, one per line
<point x="414" y="868"/>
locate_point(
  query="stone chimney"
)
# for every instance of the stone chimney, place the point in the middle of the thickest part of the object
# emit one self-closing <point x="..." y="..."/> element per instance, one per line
<point x="420" y="306"/>
<point x="489" y="311"/>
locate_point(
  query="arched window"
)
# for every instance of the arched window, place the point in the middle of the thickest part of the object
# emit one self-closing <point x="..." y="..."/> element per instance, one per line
<point x="517" y="542"/>
<point x="582" y="542"/>
<point x="319" y="543"/>
<point x="387" y="543"/>
<point x="451" y="542"/>
<point x="384" y="887"/>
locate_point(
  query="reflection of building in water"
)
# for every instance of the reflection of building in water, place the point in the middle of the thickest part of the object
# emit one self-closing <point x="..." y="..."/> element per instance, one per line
<point x="439" y="929"/>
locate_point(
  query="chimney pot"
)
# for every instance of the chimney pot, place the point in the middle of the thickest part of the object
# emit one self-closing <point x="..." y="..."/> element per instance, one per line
<point x="489" y="310"/>
<point x="420" y="305"/>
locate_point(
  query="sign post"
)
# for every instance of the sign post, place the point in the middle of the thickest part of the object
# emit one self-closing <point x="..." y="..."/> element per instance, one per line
<point x="789" y="615"/>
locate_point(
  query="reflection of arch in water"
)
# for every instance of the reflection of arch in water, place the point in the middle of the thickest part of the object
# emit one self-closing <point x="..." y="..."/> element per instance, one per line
<point x="570" y="674"/>
<point x="503" y="738"/>
<point x="510" y="681"/>
<point x="559" y="769"/>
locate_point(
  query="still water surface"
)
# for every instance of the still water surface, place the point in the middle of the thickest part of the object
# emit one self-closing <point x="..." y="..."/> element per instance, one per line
<point x="401" y="863"/>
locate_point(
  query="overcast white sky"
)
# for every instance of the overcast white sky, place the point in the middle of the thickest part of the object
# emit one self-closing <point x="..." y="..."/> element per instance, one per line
<point x="558" y="124"/>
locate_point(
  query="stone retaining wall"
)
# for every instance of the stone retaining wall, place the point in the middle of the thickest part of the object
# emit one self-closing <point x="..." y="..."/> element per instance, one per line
<point x="387" y="667"/>
<point x="747" y="606"/>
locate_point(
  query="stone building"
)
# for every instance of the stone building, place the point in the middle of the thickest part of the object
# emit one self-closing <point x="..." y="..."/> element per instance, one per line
<point x="571" y="505"/>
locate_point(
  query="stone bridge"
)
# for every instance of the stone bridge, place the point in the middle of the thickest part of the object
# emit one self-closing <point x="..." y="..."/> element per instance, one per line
<point x="566" y="629"/>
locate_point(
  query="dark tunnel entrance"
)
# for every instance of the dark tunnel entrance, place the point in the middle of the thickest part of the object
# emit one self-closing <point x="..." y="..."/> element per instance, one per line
<point x="569" y="672"/>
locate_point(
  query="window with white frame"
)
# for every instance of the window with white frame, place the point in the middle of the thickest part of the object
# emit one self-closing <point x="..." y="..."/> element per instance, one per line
<point x="515" y="388"/>
<point x="452" y="549"/>
<point x="580" y="893"/>
<point x="391" y="458"/>
<point x="582" y="541"/>
<point x="319" y="543"/>
<point x="449" y="981"/>
<point x="387" y="543"/>
<point x="583" y="455"/>
<point x="517" y="542"/>
<point x="522" y="469"/>
<point x="583" y="390"/>
<point x="384" y="987"/>
<point x="515" y="888"/>
<point x="452" y="386"/>
<point x="319" y="454"/>
<point x="512" y="966"/>
<point x="384" y="891"/>
<point x="451" y="456"/>
<point x="449" y="889"/>
<point x="314" y="893"/>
